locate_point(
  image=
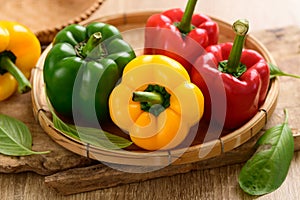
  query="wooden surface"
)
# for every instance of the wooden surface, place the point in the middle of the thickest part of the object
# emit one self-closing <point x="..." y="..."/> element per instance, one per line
<point x="217" y="183"/>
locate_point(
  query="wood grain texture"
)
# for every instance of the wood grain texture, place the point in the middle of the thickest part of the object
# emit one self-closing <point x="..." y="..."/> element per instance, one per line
<point x="216" y="183"/>
<point x="102" y="176"/>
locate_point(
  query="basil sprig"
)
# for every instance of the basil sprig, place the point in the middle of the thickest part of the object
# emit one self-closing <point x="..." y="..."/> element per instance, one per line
<point x="266" y="170"/>
<point x="15" y="137"/>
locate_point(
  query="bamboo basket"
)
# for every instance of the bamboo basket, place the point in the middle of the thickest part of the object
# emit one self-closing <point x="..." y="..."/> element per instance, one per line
<point x="195" y="152"/>
<point x="46" y="17"/>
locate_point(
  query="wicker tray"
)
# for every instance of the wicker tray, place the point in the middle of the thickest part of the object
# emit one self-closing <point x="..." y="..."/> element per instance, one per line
<point x="46" y="17"/>
<point x="197" y="151"/>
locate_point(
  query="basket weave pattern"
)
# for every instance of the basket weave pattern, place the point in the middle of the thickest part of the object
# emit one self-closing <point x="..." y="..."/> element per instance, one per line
<point x="196" y="152"/>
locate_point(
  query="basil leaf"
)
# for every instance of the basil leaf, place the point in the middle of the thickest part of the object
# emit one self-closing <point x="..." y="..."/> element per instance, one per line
<point x="65" y="128"/>
<point x="275" y="71"/>
<point x="15" y="137"/>
<point x="93" y="136"/>
<point x="266" y="170"/>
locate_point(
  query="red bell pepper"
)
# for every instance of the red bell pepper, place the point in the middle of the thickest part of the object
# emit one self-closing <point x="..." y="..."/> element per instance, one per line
<point x="244" y="76"/>
<point x="180" y="34"/>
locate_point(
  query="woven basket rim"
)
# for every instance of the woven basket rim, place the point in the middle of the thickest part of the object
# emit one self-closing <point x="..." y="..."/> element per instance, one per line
<point x="46" y="36"/>
<point x="191" y="154"/>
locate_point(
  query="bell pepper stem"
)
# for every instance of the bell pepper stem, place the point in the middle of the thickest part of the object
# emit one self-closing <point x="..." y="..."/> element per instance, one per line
<point x="155" y="99"/>
<point x="185" y="25"/>
<point x="94" y="40"/>
<point x="241" y="28"/>
<point x="23" y="83"/>
<point x="149" y="97"/>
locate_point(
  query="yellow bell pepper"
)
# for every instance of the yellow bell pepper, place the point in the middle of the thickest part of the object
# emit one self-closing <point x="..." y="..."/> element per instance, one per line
<point x="156" y="102"/>
<point x="19" y="51"/>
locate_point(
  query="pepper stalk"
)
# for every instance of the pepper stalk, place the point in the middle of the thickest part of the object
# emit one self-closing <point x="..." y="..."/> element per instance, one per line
<point x="155" y="99"/>
<point x="185" y="25"/>
<point x="233" y="65"/>
<point x="86" y="49"/>
<point x="150" y="97"/>
<point x="8" y="65"/>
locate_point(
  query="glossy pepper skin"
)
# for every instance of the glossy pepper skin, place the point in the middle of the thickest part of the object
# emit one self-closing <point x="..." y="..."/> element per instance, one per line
<point x="82" y="68"/>
<point x="180" y="34"/>
<point x="245" y="93"/>
<point x="158" y="109"/>
<point x="19" y="52"/>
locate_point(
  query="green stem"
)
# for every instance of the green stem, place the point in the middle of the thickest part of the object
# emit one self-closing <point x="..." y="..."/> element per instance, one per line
<point x="185" y="25"/>
<point x="241" y="28"/>
<point x="154" y="99"/>
<point x="286" y="116"/>
<point x="23" y="83"/>
<point x="275" y="71"/>
<point x="91" y="44"/>
<point x="149" y="97"/>
<point x="291" y="75"/>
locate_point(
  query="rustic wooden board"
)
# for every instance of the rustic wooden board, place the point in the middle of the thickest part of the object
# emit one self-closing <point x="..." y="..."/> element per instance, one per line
<point x="70" y="173"/>
<point x="20" y="107"/>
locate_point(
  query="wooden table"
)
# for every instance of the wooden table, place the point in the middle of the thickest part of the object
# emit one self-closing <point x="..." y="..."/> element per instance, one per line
<point x="275" y="24"/>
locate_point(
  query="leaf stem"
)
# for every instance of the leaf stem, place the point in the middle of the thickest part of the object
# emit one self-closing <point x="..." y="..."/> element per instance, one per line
<point x="286" y="115"/>
<point x="291" y="75"/>
<point x="275" y="71"/>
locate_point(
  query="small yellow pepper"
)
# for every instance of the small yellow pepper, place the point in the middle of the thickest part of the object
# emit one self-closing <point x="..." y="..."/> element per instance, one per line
<point x="19" y="51"/>
<point x="156" y="102"/>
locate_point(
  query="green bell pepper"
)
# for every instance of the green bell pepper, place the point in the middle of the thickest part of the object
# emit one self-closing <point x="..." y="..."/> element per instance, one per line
<point x="81" y="69"/>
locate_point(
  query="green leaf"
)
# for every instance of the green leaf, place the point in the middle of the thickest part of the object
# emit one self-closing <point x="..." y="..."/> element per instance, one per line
<point x="275" y="71"/>
<point x="93" y="136"/>
<point x="15" y="137"/>
<point x="266" y="170"/>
